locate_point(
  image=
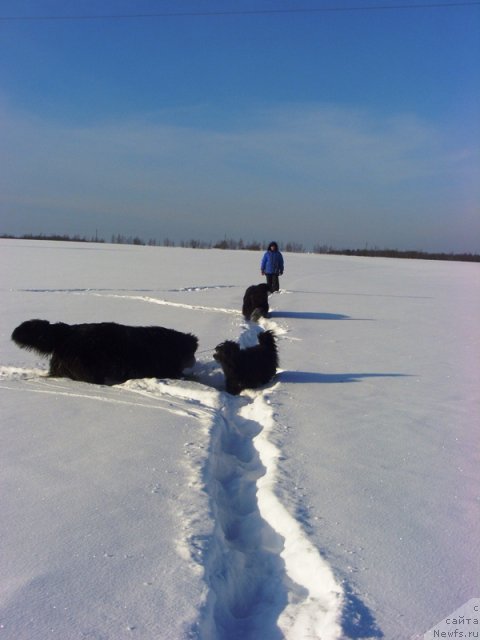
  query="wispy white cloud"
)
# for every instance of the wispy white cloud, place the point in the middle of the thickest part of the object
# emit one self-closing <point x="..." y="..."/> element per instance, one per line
<point x="303" y="170"/>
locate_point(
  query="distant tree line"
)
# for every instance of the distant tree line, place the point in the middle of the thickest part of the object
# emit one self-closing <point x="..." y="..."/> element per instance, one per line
<point x="395" y="253"/>
<point x="230" y="243"/>
<point x="52" y="236"/>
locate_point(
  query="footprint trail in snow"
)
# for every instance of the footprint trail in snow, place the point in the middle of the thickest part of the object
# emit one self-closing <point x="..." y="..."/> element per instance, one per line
<point x="266" y="579"/>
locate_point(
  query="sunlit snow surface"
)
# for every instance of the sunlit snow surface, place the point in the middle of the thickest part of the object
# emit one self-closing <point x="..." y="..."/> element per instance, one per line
<point x="341" y="501"/>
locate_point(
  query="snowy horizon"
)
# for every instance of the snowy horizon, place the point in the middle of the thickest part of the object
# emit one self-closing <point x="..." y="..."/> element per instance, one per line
<point x="239" y="244"/>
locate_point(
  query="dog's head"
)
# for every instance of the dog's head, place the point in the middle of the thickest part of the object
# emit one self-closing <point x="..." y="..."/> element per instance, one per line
<point x="226" y="351"/>
<point x="40" y="335"/>
<point x="189" y="343"/>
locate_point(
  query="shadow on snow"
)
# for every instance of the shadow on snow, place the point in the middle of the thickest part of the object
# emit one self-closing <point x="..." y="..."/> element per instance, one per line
<point x="357" y="620"/>
<point x="329" y="378"/>
<point x="308" y="315"/>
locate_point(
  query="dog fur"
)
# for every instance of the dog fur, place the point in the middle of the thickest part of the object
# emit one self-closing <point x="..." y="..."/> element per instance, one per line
<point x="248" y="368"/>
<point x="106" y="352"/>
<point x="255" y="302"/>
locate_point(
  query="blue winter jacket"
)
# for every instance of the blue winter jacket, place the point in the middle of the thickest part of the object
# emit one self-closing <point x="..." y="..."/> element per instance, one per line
<point x="272" y="262"/>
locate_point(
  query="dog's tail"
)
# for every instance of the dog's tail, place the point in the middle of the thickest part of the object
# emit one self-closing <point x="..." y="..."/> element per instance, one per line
<point x="40" y="335"/>
<point x="267" y="339"/>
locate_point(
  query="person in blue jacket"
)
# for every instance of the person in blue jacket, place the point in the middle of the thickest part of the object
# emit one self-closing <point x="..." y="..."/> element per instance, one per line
<point x="272" y="266"/>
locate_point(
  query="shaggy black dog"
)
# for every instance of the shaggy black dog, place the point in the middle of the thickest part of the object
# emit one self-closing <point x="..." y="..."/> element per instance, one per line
<point x="108" y="353"/>
<point x="255" y="302"/>
<point x="248" y="368"/>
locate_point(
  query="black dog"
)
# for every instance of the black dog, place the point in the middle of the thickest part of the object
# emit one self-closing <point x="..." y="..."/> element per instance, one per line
<point x="255" y="302"/>
<point x="248" y="368"/>
<point x="106" y="352"/>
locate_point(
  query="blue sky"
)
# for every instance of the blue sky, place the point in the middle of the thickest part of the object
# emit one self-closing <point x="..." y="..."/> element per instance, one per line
<point x="345" y="127"/>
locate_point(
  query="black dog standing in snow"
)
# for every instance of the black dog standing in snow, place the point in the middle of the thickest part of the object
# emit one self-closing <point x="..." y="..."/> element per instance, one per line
<point x="255" y="302"/>
<point x="248" y="368"/>
<point x="106" y="352"/>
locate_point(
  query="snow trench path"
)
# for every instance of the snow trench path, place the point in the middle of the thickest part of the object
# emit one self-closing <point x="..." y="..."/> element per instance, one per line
<point x="266" y="579"/>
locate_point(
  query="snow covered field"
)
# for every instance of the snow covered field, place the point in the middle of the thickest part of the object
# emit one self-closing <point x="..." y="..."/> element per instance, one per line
<point x="340" y="502"/>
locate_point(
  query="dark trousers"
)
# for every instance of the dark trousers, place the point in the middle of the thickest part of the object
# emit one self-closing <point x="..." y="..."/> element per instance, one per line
<point x="273" y="282"/>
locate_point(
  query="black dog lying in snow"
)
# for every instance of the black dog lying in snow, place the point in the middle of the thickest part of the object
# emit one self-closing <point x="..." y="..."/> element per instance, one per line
<point x="248" y="368"/>
<point x="255" y="302"/>
<point x="106" y="352"/>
